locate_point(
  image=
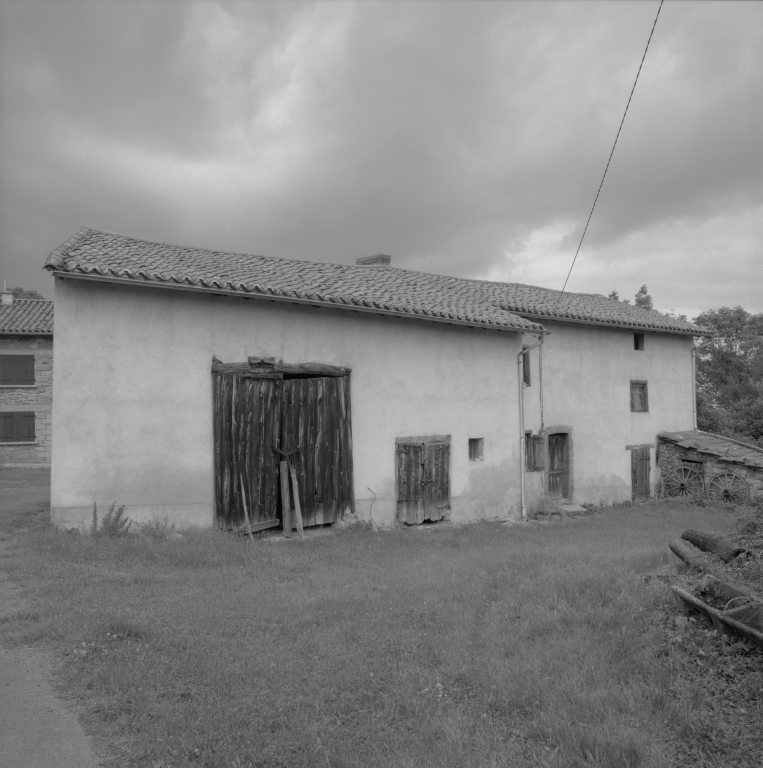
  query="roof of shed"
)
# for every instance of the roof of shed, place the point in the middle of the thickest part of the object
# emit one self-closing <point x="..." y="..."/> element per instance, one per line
<point x="384" y="289"/>
<point x="27" y="316"/>
<point x="716" y="445"/>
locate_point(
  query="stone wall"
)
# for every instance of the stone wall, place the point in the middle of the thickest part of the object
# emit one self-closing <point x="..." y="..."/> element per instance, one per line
<point x="38" y="398"/>
<point x="671" y="456"/>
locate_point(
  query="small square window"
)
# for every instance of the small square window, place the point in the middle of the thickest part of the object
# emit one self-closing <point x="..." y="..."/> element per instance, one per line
<point x="638" y="342"/>
<point x="639" y="396"/>
<point x="476" y="449"/>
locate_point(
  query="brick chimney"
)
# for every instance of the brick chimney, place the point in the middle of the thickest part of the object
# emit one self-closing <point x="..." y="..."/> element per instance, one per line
<point x="380" y="260"/>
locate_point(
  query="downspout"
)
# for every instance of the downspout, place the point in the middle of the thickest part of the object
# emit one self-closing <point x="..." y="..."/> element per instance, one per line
<point x="694" y="380"/>
<point x="521" y="383"/>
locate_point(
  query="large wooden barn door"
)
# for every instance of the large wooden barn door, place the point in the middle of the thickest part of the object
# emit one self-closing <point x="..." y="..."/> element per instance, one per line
<point x="262" y="417"/>
<point x="315" y="433"/>
<point x="247" y="425"/>
<point x="423" y="480"/>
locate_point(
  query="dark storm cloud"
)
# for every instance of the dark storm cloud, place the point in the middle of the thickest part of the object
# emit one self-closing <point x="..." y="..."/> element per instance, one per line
<point x="465" y="138"/>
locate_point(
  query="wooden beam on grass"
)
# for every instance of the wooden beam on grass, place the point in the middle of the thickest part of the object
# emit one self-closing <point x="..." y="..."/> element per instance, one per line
<point x="715" y="544"/>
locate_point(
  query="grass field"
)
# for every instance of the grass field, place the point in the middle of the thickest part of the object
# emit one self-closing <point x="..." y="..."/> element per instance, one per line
<point x="486" y="645"/>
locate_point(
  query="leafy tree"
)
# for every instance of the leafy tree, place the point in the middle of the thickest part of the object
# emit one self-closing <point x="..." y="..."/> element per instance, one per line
<point x="20" y="293"/>
<point x="614" y="296"/>
<point x="730" y="374"/>
<point x="643" y="299"/>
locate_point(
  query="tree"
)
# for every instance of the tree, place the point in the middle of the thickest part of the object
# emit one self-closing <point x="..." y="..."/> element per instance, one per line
<point x="20" y="293"/>
<point x="614" y="296"/>
<point x="643" y="299"/>
<point x="730" y="374"/>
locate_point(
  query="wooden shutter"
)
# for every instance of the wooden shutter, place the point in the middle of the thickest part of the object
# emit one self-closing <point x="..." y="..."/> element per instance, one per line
<point x="410" y="468"/>
<point x="537" y="452"/>
<point x="17" y="370"/>
<point x="17" y="427"/>
<point x="526" y="367"/>
<point x="639" y="400"/>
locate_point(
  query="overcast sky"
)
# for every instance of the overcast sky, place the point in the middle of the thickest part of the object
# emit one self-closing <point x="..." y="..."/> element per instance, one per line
<point x="463" y="138"/>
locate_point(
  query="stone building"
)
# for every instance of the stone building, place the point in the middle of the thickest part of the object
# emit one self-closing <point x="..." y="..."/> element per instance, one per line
<point x="711" y="456"/>
<point x="185" y="376"/>
<point x="26" y="381"/>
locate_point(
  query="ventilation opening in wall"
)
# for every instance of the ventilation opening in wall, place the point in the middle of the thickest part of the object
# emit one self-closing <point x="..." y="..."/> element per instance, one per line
<point x="476" y="449"/>
<point x="638" y="342"/>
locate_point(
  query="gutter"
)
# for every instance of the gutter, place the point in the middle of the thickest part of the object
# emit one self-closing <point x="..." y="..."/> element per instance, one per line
<point x="521" y="387"/>
<point x="694" y="380"/>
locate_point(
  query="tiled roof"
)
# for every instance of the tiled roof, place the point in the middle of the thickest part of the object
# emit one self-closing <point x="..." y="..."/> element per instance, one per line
<point x="27" y="316"/>
<point x="716" y="445"/>
<point x="378" y="288"/>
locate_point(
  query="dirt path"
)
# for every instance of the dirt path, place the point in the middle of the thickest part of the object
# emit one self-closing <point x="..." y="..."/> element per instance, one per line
<point x="37" y="729"/>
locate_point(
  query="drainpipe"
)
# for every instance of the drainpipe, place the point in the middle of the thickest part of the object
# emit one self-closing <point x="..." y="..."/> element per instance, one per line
<point x="694" y="380"/>
<point x="521" y="383"/>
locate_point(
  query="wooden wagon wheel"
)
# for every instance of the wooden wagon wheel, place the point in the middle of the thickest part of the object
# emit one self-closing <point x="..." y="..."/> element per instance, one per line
<point x="728" y="487"/>
<point x="683" y="482"/>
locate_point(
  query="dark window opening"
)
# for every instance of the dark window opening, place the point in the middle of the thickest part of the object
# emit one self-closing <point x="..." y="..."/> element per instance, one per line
<point x="17" y="427"/>
<point x="476" y="449"/>
<point x="639" y="397"/>
<point x="526" y="367"/>
<point x="534" y="452"/>
<point x="17" y="370"/>
<point x="638" y="342"/>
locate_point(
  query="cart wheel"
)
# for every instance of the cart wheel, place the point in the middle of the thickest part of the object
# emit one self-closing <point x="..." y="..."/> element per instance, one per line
<point x="728" y="487"/>
<point x="683" y="483"/>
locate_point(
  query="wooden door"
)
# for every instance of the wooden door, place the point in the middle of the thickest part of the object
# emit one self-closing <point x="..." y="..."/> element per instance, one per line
<point x="246" y="428"/>
<point x="640" y="473"/>
<point x="556" y="444"/>
<point x="423" y="481"/>
<point x="315" y="426"/>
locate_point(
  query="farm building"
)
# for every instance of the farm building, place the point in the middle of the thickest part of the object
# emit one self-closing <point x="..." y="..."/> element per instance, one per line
<point x="185" y="376"/>
<point x="26" y="381"/>
<point x="694" y="462"/>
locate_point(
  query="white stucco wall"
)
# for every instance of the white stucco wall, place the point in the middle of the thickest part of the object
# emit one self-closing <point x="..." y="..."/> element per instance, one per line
<point x="132" y="418"/>
<point x="587" y="371"/>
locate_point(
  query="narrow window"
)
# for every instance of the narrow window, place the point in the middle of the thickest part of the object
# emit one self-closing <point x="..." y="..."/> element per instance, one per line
<point x="638" y="342"/>
<point x="16" y="370"/>
<point x="639" y="398"/>
<point x="476" y="449"/>
<point x="526" y="367"/>
<point x="17" y="427"/>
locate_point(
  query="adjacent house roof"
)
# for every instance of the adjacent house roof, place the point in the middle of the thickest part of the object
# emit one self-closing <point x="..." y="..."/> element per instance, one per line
<point x="724" y="448"/>
<point x="385" y="289"/>
<point x="27" y="316"/>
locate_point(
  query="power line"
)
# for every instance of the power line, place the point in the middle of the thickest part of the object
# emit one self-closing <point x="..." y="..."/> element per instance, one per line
<point x="613" y="146"/>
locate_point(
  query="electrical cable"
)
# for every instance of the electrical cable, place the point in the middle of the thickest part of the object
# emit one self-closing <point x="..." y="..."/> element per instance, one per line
<point x="613" y="148"/>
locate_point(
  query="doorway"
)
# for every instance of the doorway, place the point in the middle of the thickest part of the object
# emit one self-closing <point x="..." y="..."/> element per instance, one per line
<point x="640" y="472"/>
<point x="264" y="414"/>
<point x="557" y="452"/>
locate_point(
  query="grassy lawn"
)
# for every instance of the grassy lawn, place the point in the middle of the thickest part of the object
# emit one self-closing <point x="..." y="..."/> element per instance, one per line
<point x="486" y="645"/>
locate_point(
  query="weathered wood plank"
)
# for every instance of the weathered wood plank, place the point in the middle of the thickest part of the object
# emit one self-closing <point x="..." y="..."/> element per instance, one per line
<point x="285" y="502"/>
<point x="715" y="544"/>
<point x="297" y="508"/>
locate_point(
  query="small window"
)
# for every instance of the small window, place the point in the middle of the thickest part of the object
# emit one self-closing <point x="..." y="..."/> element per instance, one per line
<point x="638" y="342"/>
<point x="476" y="449"/>
<point x="17" y="427"/>
<point x="16" y="370"/>
<point x="533" y="452"/>
<point x="639" y="398"/>
<point x="526" y="367"/>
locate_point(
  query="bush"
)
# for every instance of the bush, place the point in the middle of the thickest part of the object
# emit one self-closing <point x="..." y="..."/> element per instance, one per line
<point x="114" y="525"/>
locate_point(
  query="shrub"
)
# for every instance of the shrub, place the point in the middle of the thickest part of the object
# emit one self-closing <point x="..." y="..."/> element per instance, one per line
<point x="114" y="524"/>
